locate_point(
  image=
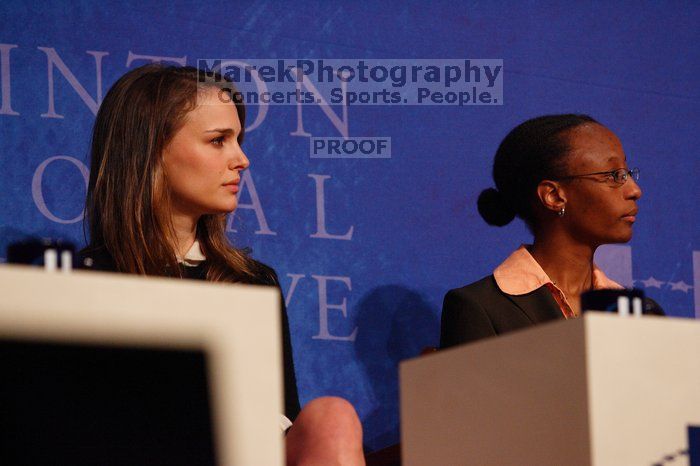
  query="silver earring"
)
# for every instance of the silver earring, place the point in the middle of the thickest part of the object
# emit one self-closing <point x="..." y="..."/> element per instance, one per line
<point x="561" y="212"/>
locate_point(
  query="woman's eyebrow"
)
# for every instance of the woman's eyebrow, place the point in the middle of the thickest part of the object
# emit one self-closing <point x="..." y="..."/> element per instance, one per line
<point x="221" y="130"/>
<point x="611" y="159"/>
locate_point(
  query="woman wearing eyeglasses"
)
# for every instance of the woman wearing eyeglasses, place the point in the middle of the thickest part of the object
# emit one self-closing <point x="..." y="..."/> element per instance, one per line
<point x="567" y="177"/>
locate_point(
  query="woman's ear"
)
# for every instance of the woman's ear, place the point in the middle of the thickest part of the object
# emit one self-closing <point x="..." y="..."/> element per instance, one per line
<point x="552" y="195"/>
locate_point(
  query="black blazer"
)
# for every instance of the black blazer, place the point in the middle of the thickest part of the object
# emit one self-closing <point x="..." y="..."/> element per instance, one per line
<point x="481" y="310"/>
<point x="100" y="259"/>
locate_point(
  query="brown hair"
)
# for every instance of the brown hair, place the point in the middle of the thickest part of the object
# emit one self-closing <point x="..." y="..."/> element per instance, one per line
<point x="128" y="199"/>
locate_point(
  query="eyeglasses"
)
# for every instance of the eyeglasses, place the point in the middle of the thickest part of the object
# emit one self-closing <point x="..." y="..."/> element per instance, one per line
<point x="618" y="176"/>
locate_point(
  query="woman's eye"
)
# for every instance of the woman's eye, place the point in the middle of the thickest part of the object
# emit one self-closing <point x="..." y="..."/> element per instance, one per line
<point x="218" y="141"/>
<point x="621" y="176"/>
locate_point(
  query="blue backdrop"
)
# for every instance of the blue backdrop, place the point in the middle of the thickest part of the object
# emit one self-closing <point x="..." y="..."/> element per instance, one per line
<point x="366" y="249"/>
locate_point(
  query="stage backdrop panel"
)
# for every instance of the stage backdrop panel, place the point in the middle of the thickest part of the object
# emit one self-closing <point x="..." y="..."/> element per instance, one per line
<point x="366" y="248"/>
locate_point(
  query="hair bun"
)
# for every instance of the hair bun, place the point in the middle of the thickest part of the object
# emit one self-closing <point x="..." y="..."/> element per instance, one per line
<point x="493" y="208"/>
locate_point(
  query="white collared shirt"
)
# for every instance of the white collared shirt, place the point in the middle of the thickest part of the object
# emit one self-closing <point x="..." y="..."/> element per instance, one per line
<point x="193" y="257"/>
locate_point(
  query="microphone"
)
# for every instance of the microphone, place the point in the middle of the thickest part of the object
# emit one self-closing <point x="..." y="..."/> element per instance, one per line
<point x="624" y="302"/>
<point x="45" y="251"/>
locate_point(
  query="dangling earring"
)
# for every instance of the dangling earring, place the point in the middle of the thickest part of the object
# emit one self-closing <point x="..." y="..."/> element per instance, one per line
<point x="561" y="212"/>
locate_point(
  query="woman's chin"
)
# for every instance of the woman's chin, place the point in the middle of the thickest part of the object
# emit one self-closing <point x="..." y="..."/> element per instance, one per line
<point x="224" y="208"/>
<point x="621" y="237"/>
<point x="228" y="206"/>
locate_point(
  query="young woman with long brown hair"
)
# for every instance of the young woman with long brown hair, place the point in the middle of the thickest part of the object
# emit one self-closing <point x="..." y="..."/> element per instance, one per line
<point x="166" y="161"/>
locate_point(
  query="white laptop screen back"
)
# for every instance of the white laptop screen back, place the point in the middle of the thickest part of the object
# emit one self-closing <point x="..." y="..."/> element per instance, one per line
<point x="99" y="368"/>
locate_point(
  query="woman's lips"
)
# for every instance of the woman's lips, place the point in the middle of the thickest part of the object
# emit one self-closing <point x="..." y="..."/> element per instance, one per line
<point x="232" y="186"/>
<point x="630" y="217"/>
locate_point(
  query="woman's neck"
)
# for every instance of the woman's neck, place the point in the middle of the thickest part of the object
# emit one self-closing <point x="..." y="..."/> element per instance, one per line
<point x="569" y="264"/>
<point x="185" y="227"/>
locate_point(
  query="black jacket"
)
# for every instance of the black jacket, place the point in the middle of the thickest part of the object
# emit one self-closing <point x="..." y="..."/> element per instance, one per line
<point x="481" y="310"/>
<point x="100" y="259"/>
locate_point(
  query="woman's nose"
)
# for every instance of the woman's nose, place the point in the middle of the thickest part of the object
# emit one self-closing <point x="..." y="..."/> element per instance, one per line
<point x="239" y="160"/>
<point x="633" y="191"/>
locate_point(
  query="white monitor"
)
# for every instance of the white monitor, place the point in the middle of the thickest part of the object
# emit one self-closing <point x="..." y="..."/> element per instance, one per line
<point x="86" y="330"/>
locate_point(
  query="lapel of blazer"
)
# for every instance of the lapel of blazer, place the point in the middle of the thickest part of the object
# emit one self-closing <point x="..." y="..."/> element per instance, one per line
<point x="539" y="306"/>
